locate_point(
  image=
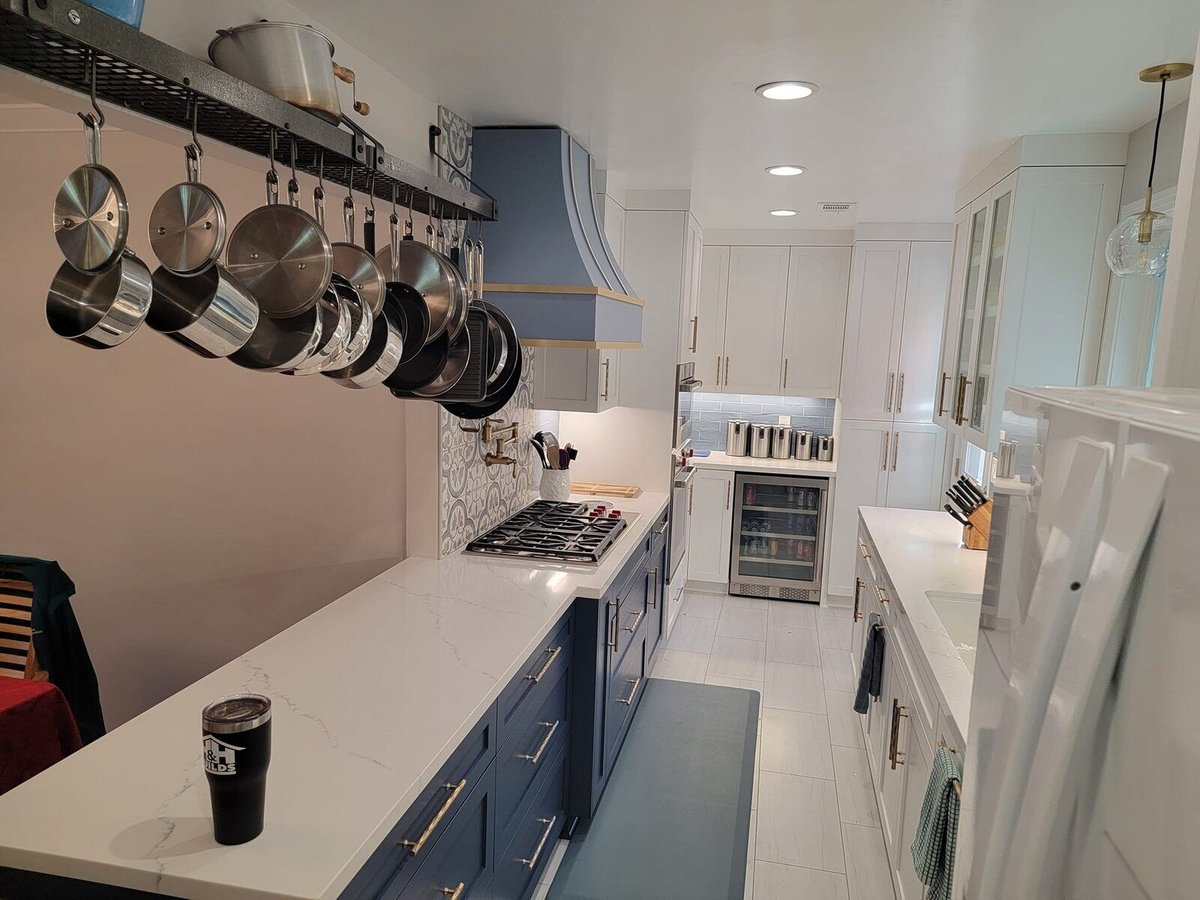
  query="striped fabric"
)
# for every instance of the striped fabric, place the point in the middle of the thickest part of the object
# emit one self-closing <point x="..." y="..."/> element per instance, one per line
<point x="16" y="629"/>
<point x="937" y="831"/>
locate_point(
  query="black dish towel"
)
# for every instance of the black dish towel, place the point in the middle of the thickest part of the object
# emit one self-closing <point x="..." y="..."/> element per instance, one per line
<point x="870" y="678"/>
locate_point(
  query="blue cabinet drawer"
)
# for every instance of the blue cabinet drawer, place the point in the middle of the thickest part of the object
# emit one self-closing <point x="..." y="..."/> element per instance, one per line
<point x="536" y="829"/>
<point x="537" y="677"/>
<point x="624" y="692"/>
<point x="460" y="864"/>
<point x="541" y="738"/>
<point x="626" y="612"/>
<point x="432" y="815"/>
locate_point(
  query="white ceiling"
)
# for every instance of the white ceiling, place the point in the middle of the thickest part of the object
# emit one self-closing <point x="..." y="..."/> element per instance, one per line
<point x="915" y="94"/>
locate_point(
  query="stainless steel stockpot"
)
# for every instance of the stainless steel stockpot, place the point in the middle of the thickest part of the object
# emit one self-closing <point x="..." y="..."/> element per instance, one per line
<point x="760" y="441"/>
<point x="99" y="311"/>
<point x="211" y="314"/>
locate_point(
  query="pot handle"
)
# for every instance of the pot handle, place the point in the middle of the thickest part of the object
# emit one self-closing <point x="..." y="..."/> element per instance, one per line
<point x="344" y="74"/>
<point x="369" y="231"/>
<point x="362" y="107"/>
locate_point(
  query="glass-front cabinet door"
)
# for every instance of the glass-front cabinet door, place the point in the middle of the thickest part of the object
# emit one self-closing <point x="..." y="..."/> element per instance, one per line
<point x="969" y="318"/>
<point x="952" y="321"/>
<point x="984" y="368"/>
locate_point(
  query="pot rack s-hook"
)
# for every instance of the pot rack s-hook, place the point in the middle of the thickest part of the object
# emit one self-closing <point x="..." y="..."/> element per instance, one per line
<point x="293" y="184"/>
<point x="93" y="121"/>
<point x="369" y="212"/>
<point x="394" y="218"/>
<point x="319" y="191"/>
<point x="408" y="223"/>
<point x="348" y="206"/>
<point x="272" y="175"/>
<point x="194" y="151"/>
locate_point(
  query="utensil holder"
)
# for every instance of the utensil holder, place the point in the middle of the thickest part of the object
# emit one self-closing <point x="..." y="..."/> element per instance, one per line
<point x="555" y="484"/>
<point x="975" y="535"/>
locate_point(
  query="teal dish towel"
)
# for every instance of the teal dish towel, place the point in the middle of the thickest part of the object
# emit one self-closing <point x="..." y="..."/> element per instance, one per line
<point x="937" y="831"/>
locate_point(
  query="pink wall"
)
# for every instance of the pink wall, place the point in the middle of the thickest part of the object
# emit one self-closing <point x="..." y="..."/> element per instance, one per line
<point x="200" y="508"/>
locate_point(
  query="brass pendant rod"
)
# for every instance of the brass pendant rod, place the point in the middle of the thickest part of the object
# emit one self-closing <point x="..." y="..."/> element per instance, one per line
<point x="1162" y="99"/>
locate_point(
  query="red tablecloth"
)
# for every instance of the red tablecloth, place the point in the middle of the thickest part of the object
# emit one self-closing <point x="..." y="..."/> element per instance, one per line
<point x="36" y="729"/>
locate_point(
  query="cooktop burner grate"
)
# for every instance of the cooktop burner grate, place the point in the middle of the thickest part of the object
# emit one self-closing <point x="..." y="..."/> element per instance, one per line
<point x="547" y="529"/>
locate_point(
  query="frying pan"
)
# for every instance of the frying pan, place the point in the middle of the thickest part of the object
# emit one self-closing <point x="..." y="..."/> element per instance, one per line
<point x="356" y="264"/>
<point x="431" y="275"/>
<point x="402" y="297"/>
<point x="423" y="368"/>
<point x="91" y="213"/>
<point x="380" y="359"/>
<point x="496" y="400"/>
<point x="278" y="345"/>
<point x="457" y="356"/>
<point x="280" y="253"/>
<point x="362" y="323"/>
<point x="187" y="224"/>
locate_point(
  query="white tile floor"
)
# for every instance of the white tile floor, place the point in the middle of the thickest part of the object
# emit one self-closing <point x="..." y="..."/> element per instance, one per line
<point x="814" y="827"/>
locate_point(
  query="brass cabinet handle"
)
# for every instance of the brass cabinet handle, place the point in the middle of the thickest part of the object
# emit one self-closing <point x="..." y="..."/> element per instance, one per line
<point x="881" y="594"/>
<point x="890" y="387"/>
<point x="900" y="395"/>
<point x="883" y="462"/>
<point x="654" y="589"/>
<point x="718" y="370"/>
<point x="536" y="756"/>
<point x="895" y="448"/>
<point x="606" y="379"/>
<point x="637" y="620"/>
<point x="785" y="364"/>
<point x="862" y="549"/>
<point x="959" y="413"/>
<point x="942" y="395"/>
<point x="857" y="589"/>
<point x="727" y="371"/>
<point x="540" y="674"/>
<point x="637" y="682"/>
<point x="541" y="844"/>
<point x="454" y="892"/>
<point x="695" y="325"/>
<point x="414" y="847"/>
<point x="662" y="529"/>
<point x="728" y="492"/>
<point x="898" y="712"/>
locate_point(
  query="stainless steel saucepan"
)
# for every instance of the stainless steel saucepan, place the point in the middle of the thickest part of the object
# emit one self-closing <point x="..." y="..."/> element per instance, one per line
<point x="381" y="358"/>
<point x="335" y="334"/>
<point x="187" y="224"/>
<point x="279" y="345"/>
<point x="355" y="264"/>
<point x="210" y="313"/>
<point x="100" y="310"/>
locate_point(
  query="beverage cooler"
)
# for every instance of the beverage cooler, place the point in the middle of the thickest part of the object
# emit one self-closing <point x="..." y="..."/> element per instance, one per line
<point x="778" y="537"/>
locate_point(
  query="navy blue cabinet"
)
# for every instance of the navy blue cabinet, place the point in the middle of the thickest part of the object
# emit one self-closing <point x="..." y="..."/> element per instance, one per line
<point x="536" y="828"/>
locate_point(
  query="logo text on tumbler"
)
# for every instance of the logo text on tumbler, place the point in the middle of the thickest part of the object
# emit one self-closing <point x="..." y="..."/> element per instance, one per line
<point x="220" y="758"/>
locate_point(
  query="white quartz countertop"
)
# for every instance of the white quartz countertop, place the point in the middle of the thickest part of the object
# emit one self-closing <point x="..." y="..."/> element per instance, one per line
<point x="720" y="460"/>
<point x="371" y="695"/>
<point x="922" y="551"/>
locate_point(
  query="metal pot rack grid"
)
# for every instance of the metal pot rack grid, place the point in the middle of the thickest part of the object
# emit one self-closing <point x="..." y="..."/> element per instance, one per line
<point x="59" y="42"/>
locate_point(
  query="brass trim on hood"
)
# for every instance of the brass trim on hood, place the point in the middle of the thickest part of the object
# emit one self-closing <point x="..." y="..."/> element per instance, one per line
<point x="562" y="289"/>
<point x="586" y="345"/>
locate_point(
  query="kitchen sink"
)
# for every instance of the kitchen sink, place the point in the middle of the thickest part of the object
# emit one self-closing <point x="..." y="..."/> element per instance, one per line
<point x="960" y="617"/>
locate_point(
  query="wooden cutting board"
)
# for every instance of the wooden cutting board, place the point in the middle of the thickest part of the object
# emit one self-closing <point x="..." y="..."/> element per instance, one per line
<point x="600" y="489"/>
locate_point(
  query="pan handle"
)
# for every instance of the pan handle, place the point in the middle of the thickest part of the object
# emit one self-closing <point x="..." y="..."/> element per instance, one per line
<point x="369" y="231"/>
<point x="348" y="218"/>
<point x="394" y="245"/>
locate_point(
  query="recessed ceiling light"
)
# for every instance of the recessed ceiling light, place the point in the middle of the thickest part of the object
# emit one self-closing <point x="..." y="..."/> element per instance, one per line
<point x="783" y="212"/>
<point x="786" y="90"/>
<point x="785" y="170"/>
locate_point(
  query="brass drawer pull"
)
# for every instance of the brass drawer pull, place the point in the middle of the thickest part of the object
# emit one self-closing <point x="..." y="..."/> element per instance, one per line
<point x="454" y="892"/>
<point x="857" y="590"/>
<point x="536" y="756"/>
<point x="662" y="529"/>
<point x="862" y="550"/>
<point x="942" y="395"/>
<point x="541" y="673"/>
<point x="637" y="620"/>
<point x="637" y="682"/>
<point x="881" y="594"/>
<point x="898" y="712"/>
<point x="414" y="847"/>
<point x="541" y="845"/>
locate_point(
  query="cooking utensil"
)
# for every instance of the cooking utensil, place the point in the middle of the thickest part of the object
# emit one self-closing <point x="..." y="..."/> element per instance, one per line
<point x="380" y="359"/>
<point x="279" y="345"/>
<point x="361" y="322"/>
<point x="962" y="502"/>
<point x="969" y="494"/>
<point x="335" y="335"/>
<point x="99" y="310"/>
<point x="958" y="517"/>
<point x="279" y="252"/>
<point x="187" y="224"/>
<point x="425" y="270"/>
<point x="91" y="213"/>
<point x="355" y="264"/>
<point x="210" y="313"/>
<point x="289" y="61"/>
<point x="508" y="362"/>
<point x="402" y="297"/>
<point x="496" y="399"/>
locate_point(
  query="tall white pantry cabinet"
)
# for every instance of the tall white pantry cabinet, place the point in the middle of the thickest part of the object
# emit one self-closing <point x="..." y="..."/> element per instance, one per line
<point x="890" y="453"/>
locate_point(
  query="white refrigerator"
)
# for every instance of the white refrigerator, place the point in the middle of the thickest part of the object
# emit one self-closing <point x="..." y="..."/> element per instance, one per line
<point x="1082" y="773"/>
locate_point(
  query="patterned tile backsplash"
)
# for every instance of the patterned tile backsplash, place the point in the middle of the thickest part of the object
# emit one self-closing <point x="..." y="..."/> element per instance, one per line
<point x="713" y="411"/>
<point x="473" y="496"/>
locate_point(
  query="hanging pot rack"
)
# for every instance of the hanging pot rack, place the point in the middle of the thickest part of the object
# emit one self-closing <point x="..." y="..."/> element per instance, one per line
<point x="56" y="41"/>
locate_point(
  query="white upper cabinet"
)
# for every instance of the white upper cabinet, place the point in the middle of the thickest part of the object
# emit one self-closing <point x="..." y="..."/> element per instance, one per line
<point x="814" y="321"/>
<point x="754" y="314"/>
<point x="771" y="319"/>
<point x="878" y="278"/>
<point x="1030" y="286"/>
<point x="710" y="333"/>
<point x="920" y="336"/>
<point x="689" y="300"/>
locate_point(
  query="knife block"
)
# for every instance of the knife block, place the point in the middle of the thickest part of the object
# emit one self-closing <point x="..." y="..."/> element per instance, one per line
<point x="975" y="535"/>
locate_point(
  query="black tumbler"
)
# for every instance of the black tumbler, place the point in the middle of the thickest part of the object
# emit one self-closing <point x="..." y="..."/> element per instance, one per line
<point x="237" y="751"/>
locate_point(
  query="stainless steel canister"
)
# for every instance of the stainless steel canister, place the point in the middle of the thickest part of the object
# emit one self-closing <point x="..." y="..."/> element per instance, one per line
<point x="1006" y="459"/>
<point x="737" y="437"/>
<point x="802" y="445"/>
<point x="781" y="441"/>
<point x="760" y="441"/>
<point x="824" y="448"/>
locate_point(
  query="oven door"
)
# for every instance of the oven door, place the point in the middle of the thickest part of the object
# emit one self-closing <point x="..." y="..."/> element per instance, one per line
<point x="685" y="384"/>
<point x="681" y="511"/>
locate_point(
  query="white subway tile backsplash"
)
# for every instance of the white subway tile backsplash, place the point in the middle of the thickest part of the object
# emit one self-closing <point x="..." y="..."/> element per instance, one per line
<point x="713" y="411"/>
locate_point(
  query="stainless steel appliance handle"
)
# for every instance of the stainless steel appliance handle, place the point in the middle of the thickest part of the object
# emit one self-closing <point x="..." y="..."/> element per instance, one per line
<point x="654" y="589"/>
<point x="728" y="492"/>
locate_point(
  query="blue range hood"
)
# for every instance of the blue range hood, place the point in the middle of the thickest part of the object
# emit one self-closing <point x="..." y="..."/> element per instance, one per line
<point x="548" y="264"/>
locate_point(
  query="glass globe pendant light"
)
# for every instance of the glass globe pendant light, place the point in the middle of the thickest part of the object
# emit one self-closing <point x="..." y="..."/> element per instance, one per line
<point x="1138" y="245"/>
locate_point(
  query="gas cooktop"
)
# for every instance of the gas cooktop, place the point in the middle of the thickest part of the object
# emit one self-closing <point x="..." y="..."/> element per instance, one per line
<point x="545" y="529"/>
